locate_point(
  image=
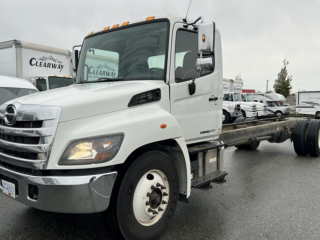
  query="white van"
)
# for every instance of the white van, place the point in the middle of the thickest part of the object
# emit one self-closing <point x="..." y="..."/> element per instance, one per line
<point x="11" y="87"/>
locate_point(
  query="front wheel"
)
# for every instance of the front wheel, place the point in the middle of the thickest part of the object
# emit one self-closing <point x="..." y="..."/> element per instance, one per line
<point x="226" y="117"/>
<point x="278" y="113"/>
<point x="145" y="198"/>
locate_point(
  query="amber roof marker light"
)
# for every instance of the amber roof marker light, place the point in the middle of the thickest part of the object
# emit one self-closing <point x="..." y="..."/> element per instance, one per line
<point x="149" y="18"/>
<point x="106" y="28"/>
<point x="125" y="24"/>
<point x="115" y="26"/>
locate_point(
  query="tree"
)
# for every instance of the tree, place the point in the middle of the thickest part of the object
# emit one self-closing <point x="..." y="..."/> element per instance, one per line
<point x="282" y="84"/>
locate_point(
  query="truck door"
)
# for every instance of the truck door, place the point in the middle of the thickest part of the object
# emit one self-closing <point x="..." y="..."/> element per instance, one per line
<point x="199" y="115"/>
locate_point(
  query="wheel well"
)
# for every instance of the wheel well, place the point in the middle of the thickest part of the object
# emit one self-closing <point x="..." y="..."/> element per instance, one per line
<point x="172" y="149"/>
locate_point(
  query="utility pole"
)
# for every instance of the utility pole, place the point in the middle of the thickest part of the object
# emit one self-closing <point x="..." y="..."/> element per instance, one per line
<point x="267" y="85"/>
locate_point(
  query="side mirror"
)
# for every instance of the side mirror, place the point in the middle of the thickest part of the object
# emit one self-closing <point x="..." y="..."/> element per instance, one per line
<point x="204" y="64"/>
<point x="75" y="59"/>
<point x="206" y="36"/>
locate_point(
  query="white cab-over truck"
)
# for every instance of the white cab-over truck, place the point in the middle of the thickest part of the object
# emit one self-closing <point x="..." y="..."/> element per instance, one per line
<point x="45" y="67"/>
<point x="308" y="103"/>
<point x="134" y="140"/>
<point x="232" y="95"/>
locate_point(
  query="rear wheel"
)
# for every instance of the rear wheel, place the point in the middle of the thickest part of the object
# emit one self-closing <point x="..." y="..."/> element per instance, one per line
<point x="313" y="138"/>
<point x="144" y="199"/>
<point x="253" y="145"/>
<point x="299" y="137"/>
<point x="226" y="117"/>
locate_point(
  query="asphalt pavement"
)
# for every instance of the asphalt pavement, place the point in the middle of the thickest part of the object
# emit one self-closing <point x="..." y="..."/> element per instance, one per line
<point x="270" y="193"/>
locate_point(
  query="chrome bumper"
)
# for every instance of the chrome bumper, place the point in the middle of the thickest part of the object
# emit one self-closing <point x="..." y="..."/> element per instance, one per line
<point x="251" y="114"/>
<point x="64" y="194"/>
<point x="235" y="114"/>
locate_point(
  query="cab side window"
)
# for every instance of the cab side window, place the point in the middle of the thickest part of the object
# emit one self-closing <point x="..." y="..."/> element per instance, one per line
<point x="186" y="55"/>
<point x="41" y="84"/>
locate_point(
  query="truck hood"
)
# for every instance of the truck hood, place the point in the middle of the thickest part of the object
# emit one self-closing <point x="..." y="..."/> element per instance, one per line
<point x="85" y="100"/>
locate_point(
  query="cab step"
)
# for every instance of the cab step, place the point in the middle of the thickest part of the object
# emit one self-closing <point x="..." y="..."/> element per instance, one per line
<point x="216" y="176"/>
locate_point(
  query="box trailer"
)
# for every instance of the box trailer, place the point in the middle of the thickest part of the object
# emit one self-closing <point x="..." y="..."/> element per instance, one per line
<point x="308" y="103"/>
<point x="36" y="63"/>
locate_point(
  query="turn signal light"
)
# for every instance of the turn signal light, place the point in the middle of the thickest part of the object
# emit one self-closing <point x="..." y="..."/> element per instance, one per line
<point x="149" y="18"/>
<point x="163" y="126"/>
<point x="125" y="23"/>
<point x="106" y="28"/>
<point x="115" y="26"/>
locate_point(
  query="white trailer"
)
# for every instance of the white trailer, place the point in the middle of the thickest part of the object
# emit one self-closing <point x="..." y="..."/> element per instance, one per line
<point x="308" y="103"/>
<point x="131" y="145"/>
<point x="36" y="63"/>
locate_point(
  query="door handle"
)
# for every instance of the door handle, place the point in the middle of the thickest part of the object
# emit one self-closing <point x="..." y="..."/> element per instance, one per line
<point x="212" y="98"/>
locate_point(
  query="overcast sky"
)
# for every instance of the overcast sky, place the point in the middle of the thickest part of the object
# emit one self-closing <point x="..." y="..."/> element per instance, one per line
<point x="256" y="34"/>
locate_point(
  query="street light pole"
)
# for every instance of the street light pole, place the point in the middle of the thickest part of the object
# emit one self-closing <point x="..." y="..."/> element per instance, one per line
<point x="267" y="85"/>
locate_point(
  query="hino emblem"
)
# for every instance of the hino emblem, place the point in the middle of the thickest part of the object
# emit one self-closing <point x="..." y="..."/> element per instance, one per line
<point x="10" y="115"/>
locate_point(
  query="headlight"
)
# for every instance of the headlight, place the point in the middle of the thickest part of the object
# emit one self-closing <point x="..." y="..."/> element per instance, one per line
<point x="93" y="150"/>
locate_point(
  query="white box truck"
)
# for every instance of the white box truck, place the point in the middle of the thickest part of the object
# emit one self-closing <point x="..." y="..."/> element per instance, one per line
<point x="232" y="90"/>
<point x="308" y="103"/>
<point x="45" y="67"/>
<point x="134" y="143"/>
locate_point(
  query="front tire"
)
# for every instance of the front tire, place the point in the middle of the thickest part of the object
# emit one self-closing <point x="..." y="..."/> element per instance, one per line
<point x="226" y="117"/>
<point x="145" y="198"/>
<point x="278" y="113"/>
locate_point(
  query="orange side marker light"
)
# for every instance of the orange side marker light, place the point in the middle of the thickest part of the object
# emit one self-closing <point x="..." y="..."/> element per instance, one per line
<point x="163" y="126"/>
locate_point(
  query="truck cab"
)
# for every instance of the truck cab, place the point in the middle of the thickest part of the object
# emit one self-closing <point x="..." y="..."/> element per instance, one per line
<point x="136" y="131"/>
<point x="48" y="82"/>
<point x="262" y="109"/>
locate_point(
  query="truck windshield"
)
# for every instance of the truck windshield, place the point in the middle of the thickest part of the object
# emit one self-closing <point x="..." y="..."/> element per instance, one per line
<point x="131" y="53"/>
<point x="58" y="82"/>
<point x="237" y="97"/>
<point x="7" y="94"/>
<point x="249" y="98"/>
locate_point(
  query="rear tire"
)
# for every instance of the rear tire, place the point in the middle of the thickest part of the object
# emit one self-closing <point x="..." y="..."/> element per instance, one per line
<point x="313" y="138"/>
<point x="299" y="137"/>
<point x="253" y="146"/>
<point x="128" y="216"/>
<point x="226" y="117"/>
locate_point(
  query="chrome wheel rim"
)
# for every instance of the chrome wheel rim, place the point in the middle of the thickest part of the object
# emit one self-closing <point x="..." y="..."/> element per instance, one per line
<point x="151" y="197"/>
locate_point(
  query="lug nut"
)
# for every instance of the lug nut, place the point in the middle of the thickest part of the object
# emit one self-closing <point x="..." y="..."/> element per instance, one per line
<point x="161" y="186"/>
<point x="154" y="212"/>
<point x="148" y="194"/>
<point x="164" y="202"/>
<point x="164" y="194"/>
<point x="153" y="187"/>
<point x="150" y="210"/>
<point x="160" y="209"/>
<point x="147" y="203"/>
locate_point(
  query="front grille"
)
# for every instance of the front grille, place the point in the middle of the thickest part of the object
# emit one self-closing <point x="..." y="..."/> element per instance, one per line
<point x="29" y="156"/>
<point x="23" y="124"/>
<point x="28" y="142"/>
<point x="23" y="140"/>
<point x="237" y="108"/>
